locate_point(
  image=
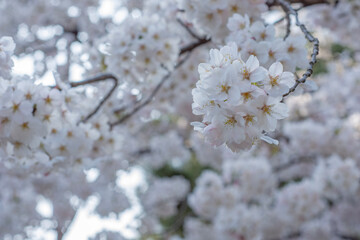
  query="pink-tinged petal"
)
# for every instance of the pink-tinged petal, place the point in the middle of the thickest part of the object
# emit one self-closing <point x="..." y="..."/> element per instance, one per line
<point x="310" y="85"/>
<point x="213" y="135"/>
<point x="288" y="79"/>
<point x="234" y="95"/>
<point x="260" y="74"/>
<point x="280" y="111"/>
<point x="252" y="63"/>
<point x="270" y="124"/>
<point x="238" y="134"/>
<point x="276" y="69"/>
<point x="216" y="57"/>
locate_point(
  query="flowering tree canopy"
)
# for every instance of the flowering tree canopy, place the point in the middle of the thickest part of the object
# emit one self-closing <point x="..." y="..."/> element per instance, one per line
<point x="240" y="127"/>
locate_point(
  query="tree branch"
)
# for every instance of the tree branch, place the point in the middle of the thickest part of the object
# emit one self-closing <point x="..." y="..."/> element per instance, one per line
<point x="348" y="237"/>
<point x="149" y="99"/>
<point x="98" y="78"/>
<point x="192" y="46"/>
<point x="293" y="162"/>
<point x="189" y="30"/>
<point x="288" y="25"/>
<point x="286" y="6"/>
<point x="61" y="230"/>
<point x="305" y="3"/>
<point x="178" y="222"/>
<point x="187" y="49"/>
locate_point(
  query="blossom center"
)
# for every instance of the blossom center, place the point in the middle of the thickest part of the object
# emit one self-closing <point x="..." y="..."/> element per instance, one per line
<point x="248" y="119"/>
<point x="266" y="109"/>
<point x="231" y="121"/>
<point x="225" y="88"/>
<point x="274" y="80"/>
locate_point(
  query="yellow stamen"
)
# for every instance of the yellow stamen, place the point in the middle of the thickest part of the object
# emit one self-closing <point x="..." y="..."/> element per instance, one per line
<point x="248" y="119"/>
<point x="231" y="121"/>
<point x="225" y="88"/>
<point x="246" y="96"/>
<point x="266" y="109"/>
<point x="274" y="80"/>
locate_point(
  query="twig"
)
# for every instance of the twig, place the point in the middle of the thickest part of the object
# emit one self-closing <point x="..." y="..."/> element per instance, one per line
<point x="293" y="162"/>
<point x="149" y="99"/>
<point x="286" y="6"/>
<point x="99" y="78"/>
<point x="289" y="236"/>
<point x="189" y="30"/>
<point x="143" y="104"/>
<point x="178" y="222"/>
<point x="187" y="49"/>
<point x="348" y="237"/>
<point x="283" y="18"/>
<point x="61" y="230"/>
<point x="305" y="3"/>
<point x="192" y="46"/>
<point x="279" y="20"/>
<point x="288" y="26"/>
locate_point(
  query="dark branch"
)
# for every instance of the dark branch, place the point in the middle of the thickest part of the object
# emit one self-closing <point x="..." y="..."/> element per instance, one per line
<point x="348" y="237"/>
<point x="143" y="104"/>
<point x="189" y="30"/>
<point x="293" y="162"/>
<point x="288" y="26"/>
<point x="149" y="99"/>
<point x="305" y="3"/>
<point x="187" y="49"/>
<point x="286" y="6"/>
<point x="99" y="78"/>
<point x="192" y="46"/>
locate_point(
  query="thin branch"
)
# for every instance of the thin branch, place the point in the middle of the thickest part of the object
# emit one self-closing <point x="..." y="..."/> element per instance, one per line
<point x="98" y="78"/>
<point x="192" y="46"/>
<point x="148" y="100"/>
<point x="305" y="3"/>
<point x="293" y="162"/>
<point x="289" y="236"/>
<point x="283" y="18"/>
<point x="286" y="6"/>
<point x="279" y="20"/>
<point x="61" y="231"/>
<point x="187" y="49"/>
<point x="348" y="237"/>
<point x="189" y="30"/>
<point x="178" y="222"/>
<point x="143" y="104"/>
<point x="288" y="26"/>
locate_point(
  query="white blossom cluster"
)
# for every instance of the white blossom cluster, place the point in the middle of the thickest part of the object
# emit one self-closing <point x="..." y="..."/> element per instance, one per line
<point x="142" y="50"/>
<point x="244" y="201"/>
<point x="260" y="40"/>
<point x="58" y="145"/>
<point x="7" y="47"/>
<point x="164" y="195"/>
<point x="40" y="127"/>
<point x="345" y="13"/>
<point x="240" y="98"/>
<point x="211" y="16"/>
<point x="166" y="149"/>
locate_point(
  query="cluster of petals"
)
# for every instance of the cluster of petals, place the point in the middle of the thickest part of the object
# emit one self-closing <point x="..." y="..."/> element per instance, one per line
<point x="258" y="39"/>
<point x="211" y="16"/>
<point x="39" y="126"/>
<point x="142" y="50"/>
<point x="239" y="100"/>
<point x="346" y="13"/>
<point x="7" y="47"/>
<point x="241" y="203"/>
